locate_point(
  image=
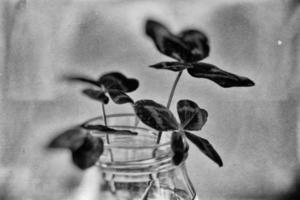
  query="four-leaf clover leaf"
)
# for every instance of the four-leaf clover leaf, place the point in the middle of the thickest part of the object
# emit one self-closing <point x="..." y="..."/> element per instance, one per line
<point x="189" y="47"/>
<point x="192" y="118"/>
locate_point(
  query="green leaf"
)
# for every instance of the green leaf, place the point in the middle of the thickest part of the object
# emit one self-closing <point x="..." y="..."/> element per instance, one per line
<point x="108" y="130"/>
<point x="116" y="80"/>
<point x="197" y="42"/>
<point x="98" y="95"/>
<point x="173" y="66"/>
<point x="205" y="147"/>
<point x="179" y="147"/>
<point x="191" y="116"/>
<point x="155" y="115"/>
<point x="83" y="79"/>
<point x="69" y="139"/>
<point x="221" y="77"/>
<point x="88" y="153"/>
<point x="119" y="97"/>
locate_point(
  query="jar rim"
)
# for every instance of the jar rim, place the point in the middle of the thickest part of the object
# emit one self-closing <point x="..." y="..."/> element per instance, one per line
<point x="117" y="146"/>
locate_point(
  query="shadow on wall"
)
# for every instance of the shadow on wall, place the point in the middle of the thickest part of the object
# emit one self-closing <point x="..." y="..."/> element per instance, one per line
<point x="294" y="193"/>
<point x="235" y="36"/>
<point x="99" y="39"/>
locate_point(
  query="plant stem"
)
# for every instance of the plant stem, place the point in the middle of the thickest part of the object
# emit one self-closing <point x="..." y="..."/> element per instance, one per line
<point x="158" y="137"/>
<point x="146" y="193"/>
<point x="170" y="100"/>
<point x="173" y="89"/>
<point x="136" y="119"/>
<point x="105" y="121"/>
<point x="106" y="135"/>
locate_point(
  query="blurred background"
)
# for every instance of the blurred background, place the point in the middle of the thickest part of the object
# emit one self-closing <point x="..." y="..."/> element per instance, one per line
<point x="255" y="129"/>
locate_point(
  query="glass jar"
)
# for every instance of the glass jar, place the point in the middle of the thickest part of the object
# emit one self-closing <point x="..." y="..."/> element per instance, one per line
<point x="136" y="168"/>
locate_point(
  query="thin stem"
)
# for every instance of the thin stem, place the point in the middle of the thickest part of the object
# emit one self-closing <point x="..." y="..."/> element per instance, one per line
<point x="173" y="89"/>
<point x="105" y="121"/>
<point x="106" y="135"/>
<point x="136" y="119"/>
<point x="146" y="193"/>
<point x="158" y="137"/>
<point x="170" y="100"/>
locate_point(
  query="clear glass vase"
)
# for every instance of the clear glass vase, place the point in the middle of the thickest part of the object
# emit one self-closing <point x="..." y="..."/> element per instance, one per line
<point x="136" y="168"/>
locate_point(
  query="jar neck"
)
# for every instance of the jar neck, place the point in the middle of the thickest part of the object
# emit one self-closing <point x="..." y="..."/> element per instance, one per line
<point x="136" y="154"/>
<point x="157" y="164"/>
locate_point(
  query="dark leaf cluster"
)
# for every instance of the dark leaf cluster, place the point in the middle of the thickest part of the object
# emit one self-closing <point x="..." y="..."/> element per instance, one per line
<point x="192" y="118"/>
<point x="115" y="84"/>
<point x="85" y="148"/>
<point x="188" y="48"/>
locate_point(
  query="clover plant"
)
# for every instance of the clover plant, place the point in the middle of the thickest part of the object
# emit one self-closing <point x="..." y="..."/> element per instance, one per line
<point x="84" y="147"/>
<point x="188" y="48"/>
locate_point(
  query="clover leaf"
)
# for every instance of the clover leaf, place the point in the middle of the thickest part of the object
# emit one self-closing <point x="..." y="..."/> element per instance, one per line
<point x="191" y="117"/>
<point x="114" y="83"/>
<point x="81" y="78"/>
<point x="173" y="66"/>
<point x="116" y="80"/>
<point x="205" y="147"/>
<point x="155" y="115"/>
<point x="98" y="95"/>
<point x="179" y="147"/>
<point x="208" y="71"/>
<point x="71" y="138"/>
<point x="197" y="42"/>
<point x="187" y="46"/>
<point x="219" y="76"/>
<point x="105" y="129"/>
<point x="85" y="148"/>
<point x="88" y="153"/>
<point x="119" y="97"/>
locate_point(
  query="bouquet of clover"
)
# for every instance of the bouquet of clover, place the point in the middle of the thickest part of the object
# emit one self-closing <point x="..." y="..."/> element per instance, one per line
<point x="187" y="48"/>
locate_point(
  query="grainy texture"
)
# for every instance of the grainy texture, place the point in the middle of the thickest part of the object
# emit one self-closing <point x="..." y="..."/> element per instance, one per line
<point x="254" y="129"/>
